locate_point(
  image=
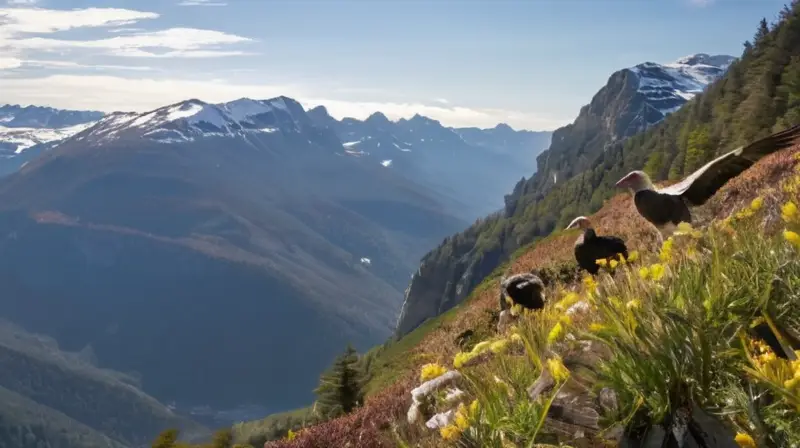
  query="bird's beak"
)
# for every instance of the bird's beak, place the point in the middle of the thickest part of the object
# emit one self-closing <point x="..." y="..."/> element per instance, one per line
<point x="621" y="183"/>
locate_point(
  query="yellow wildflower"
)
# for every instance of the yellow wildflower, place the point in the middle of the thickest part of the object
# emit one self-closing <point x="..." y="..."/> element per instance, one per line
<point x="633" y="304"/>
<point x="621" y="259"/>
<point x="555" y="333"/>
<point x="567" y="301"/>
<point x="756" y="204"/>
<point x="291" y="435"/>
<point x="666" y="250"/>
<point x="633" y="256"/>
<point x="566" y="320"/>
<point x="657" y="271"/>
<point x="590" y="283"/>
<point x="462" y="358"/>
<point x="499" y="346"/>
<point x="745" y="441"/>
<point x="474" y="408"/>
<point x="481" y="346"/>
<point x="557" y="369"/>
<point x="450" y="432"/>
<point x="789" y="211"/>
<point x="601" y="262"/>
<point x="613" y="264"/>
<point x="644" y="272"/>
<point x="462" y="417"/>
<point x="431" y="371"/>
<point x="792" y="237"/>
<point x="515" y="337"/>
<point x="596" y="328"/>
<point x="684" y="227"/>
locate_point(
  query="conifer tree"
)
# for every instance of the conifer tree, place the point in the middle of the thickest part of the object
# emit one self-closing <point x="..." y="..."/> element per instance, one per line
<point x="340" y="388"/>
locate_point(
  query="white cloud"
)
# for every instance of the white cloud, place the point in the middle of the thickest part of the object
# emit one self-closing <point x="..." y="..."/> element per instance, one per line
<point x="38" y="20"/>
<point x="701" y="3"/>
<point x="202" y="3"/>
<point x="178" y="39"/>
<point x="71" y="64"/>
<point x="9" y="62"/>
<point x="112" y="93"/>
<point x="20" y="23"/>
<point x="22" y="2"/>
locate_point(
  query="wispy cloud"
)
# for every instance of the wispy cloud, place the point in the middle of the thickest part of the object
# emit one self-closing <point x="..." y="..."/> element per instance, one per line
<point x="21" y="32"/>
<point x="111" y="93"/>
<point x="22" y="2"/>
<point x="173" y="42"/>
<point x="76" y="65"/>
<point x="202" y="3"/>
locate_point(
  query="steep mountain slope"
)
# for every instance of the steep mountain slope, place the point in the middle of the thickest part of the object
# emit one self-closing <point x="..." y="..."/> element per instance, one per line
<point x="61" y="399"/>
<point x="27" y="131"/>
<point x="632" y="100"/>
<point x="472" y="166"/>
<point x="181" y="242"/>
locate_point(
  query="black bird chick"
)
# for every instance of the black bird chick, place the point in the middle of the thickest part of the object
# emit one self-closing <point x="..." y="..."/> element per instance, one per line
<point x="589" y="247"/>
<point x="665" y="208"/>
<point x="526" y="290"/>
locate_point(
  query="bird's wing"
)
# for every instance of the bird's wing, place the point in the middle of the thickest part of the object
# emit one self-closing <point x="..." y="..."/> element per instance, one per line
<point x="699" y="186"/>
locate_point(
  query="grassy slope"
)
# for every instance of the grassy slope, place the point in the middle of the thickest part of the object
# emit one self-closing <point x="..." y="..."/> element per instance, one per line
<point x="399" y="362"/>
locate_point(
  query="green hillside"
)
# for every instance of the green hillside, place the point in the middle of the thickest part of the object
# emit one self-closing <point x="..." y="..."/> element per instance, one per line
<point x="60" y="399"/>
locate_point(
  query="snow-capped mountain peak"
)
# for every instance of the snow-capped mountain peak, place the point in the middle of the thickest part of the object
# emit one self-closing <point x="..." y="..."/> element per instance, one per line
<point x="667" y="87"/>
<point x="192" y="119"/>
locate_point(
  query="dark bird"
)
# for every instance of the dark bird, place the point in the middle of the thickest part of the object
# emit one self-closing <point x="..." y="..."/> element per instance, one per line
<point x="526" y="290"/>
<point x="667" y="207"/>
<point x="589" y="247"/>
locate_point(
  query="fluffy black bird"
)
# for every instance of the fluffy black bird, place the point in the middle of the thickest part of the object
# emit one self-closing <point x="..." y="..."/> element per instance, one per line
<point x="589" y="247"/>
<point x="665" y="208"/>
<point x="526" y="290"/>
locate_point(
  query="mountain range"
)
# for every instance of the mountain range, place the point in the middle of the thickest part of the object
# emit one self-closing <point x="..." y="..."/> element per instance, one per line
<point x="632" y="100"/>
<point x="181" y="248"/>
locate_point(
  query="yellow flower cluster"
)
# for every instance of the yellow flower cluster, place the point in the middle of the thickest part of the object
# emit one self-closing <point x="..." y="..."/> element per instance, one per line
<point x="684" y="228"/>
<point x="762" y="354"/>
<point x="655" y="272"/>
<point x="792" y="237"/>
<point x="557" y="369"/>
<point x="499" y="346"/>
<point x="450" y="432"/>
<point x="568" y="300"/>
<point x="555" y="333"/>
<point x="431" y="371"/>
<point x="745" y="441"/>
<point x="291" y="435"/>
<point x="793" y="383"/>
<point x="590" y="283"/>
<point x="666" y="251"/>
<point x="789" y="212"/>
<point x="463" y="420"/>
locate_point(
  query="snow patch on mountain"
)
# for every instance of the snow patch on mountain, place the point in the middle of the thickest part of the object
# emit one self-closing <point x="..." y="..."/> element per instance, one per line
<point x="386" y="163"/>
<point x="20" y="139"/>
<point x="668" y="86"/>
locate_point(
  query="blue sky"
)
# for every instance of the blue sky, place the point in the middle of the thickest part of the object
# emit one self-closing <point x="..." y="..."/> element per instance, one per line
<point x="530" y="63"/>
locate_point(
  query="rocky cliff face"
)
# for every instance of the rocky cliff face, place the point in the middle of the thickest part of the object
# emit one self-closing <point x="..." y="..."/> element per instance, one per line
<point x="632" y="100"/>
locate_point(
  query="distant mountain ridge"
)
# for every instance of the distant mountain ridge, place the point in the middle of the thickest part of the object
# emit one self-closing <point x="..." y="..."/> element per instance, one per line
<point x="222" y="229"/>
<point x="632" y="100"/>
<point x="493" y="158"/>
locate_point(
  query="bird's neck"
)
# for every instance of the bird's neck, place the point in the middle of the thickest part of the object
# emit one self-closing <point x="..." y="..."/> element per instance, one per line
<point x="642" y="185"/>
